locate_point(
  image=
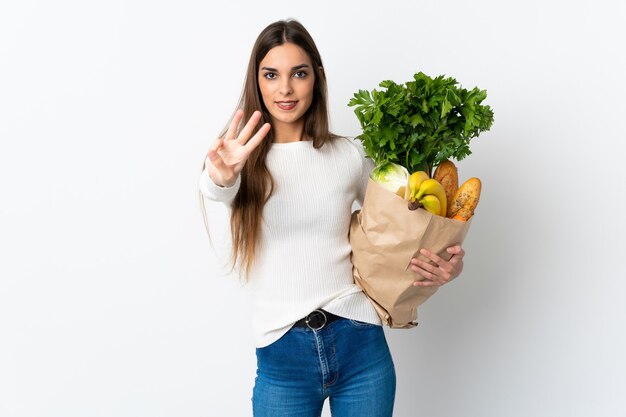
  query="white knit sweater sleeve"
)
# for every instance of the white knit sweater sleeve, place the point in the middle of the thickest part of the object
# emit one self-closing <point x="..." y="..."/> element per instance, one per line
<point x="214" y="192"/>
<point x="366" y="170"/>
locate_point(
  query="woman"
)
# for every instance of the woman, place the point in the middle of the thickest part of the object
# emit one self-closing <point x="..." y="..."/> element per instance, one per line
<point x="290" y="184"/>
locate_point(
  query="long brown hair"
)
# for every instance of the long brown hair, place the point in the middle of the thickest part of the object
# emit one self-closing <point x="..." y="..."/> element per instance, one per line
<point x="256" y="180"/>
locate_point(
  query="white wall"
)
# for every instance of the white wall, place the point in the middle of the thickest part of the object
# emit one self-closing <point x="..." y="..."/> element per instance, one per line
<point x="111" y="301"/>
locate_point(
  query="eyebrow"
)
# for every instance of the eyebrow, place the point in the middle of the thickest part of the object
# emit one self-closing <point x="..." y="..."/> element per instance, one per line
<point x="297" y="67"/>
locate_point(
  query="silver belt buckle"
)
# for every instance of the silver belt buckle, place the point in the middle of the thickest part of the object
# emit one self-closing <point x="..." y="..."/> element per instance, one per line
<point x="309" y="319"/>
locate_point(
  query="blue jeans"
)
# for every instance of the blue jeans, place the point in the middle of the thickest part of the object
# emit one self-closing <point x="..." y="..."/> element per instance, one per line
<point x="346" y="361"/>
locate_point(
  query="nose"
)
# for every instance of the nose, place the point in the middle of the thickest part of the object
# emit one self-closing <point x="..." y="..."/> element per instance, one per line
<point x="285" y="86"/>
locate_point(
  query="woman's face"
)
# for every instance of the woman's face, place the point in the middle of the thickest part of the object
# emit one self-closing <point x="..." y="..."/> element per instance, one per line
<point x="286" y="80"/>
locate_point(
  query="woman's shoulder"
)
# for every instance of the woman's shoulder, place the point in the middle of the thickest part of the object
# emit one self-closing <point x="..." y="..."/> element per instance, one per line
<point x="349" y="151"/>
<point x="349" y="144"/>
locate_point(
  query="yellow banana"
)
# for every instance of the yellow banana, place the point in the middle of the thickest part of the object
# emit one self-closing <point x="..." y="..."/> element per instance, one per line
<point x="413" y="185"/>
<point x="433" y="187"/>
<point x="431" y="203"/>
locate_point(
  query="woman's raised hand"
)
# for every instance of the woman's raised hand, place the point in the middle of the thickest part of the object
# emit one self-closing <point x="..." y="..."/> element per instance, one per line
<point x="229" y="154"/>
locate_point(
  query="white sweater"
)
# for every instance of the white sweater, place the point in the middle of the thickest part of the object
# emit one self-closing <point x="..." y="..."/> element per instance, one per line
<point x="303" y="260"/>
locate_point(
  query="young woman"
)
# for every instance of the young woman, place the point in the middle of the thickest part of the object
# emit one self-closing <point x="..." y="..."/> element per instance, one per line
<point x="290" y="184"/>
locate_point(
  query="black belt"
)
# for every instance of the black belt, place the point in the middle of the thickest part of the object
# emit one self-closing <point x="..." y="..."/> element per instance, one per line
<point x="316" y="320"/>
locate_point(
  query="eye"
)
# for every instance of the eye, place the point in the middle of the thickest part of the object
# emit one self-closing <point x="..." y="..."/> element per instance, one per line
<point x="269" y="75"/>
<point x="300" y="74"/>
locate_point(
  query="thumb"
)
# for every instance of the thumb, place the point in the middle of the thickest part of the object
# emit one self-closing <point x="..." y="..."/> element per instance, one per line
<point x="213" y="156"/>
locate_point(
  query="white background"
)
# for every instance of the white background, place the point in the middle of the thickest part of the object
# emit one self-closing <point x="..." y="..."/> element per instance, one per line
<point x="112" y="302"/>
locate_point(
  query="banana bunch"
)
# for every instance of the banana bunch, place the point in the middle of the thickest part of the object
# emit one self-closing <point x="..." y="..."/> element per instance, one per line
<point x="426" y="192"/>
<point x="441" y="195"/>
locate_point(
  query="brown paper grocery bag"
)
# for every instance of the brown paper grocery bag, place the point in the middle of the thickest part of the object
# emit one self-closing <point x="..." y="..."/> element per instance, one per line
<point x="385" y="235"/>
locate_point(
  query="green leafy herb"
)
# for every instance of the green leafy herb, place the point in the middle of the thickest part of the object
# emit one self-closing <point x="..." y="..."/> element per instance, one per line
<point x="421" y="123"/>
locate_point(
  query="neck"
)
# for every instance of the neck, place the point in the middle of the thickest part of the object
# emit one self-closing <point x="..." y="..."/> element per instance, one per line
<point x="288" y="132"/>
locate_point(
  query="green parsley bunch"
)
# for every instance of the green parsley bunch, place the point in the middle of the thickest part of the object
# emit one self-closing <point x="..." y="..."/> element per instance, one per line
<point x="421" y="123"/>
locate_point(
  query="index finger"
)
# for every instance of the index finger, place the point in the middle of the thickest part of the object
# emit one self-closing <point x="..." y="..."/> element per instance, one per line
<point x="232" y="129"/>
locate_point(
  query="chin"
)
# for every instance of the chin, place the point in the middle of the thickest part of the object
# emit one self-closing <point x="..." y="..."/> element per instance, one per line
<point x="288" y="119"/>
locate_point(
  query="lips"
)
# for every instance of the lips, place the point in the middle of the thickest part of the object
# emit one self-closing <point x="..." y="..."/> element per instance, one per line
<point x="286" y="105"/>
